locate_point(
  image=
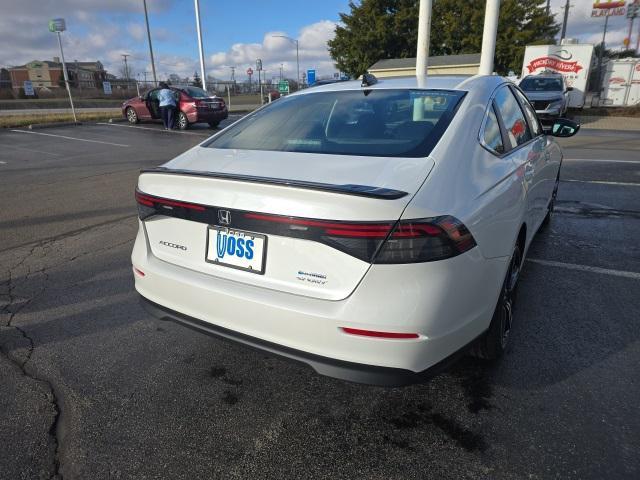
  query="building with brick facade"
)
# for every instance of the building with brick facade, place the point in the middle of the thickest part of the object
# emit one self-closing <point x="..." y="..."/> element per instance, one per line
<point x="49" y="74"/>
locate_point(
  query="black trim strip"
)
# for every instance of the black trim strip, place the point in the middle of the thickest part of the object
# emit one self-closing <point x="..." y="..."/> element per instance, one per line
<point x="331" y="367"/>
<point x="347" y="189"/>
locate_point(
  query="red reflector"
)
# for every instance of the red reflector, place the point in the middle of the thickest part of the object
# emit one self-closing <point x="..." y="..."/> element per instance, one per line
<point x="138" y="272"/>
<point x="150" y="201"/>
<point x="371" y="333"/>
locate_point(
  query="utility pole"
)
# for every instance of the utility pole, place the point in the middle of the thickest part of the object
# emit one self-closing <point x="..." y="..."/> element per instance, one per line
<point x="564" y="22"/>
<point x="199" y="31"/>
<point x="153" y="65"/>
<point x="601" y="52"/>
<point x="489" y="33"/>
<point x="548" y="6"/>
<point x="126" y="67"/>
<point x="281" y="70"/>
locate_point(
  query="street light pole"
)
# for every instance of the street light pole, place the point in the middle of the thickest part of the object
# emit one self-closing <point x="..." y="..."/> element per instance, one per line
<point x="66" y="77"/>
<point x="199" y="30"/>
<point x="297" y="56"/>
<point x="153" y="65"/>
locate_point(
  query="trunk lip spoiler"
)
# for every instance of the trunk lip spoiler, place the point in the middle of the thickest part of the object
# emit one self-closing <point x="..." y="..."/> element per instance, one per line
<point x="347" y="189"/>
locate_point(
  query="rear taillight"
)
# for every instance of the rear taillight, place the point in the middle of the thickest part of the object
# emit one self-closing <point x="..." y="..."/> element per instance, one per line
<point x="426" y="240"/>
<point x="407" y="241"/>
<point x="149" y="205"/>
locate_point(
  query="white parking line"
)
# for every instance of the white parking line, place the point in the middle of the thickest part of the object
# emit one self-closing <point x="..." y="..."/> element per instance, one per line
<point x="2" y="163"/>
<point x="599" y="160"/>
<point x="70" y="138"/>
<point x="587" y="268"/>
<point x="602" y="182"/>
<point x="180" y="132"/>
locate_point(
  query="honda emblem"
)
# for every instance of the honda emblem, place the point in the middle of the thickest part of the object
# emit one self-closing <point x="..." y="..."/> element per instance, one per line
<point x="224" y="217"/>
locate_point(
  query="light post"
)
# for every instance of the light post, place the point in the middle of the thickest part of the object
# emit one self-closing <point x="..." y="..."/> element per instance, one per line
<point x="297" y="55"/>
<point x="153" y="65"/>
<point x="57" y="25"/>
<point x="204" y="76"/>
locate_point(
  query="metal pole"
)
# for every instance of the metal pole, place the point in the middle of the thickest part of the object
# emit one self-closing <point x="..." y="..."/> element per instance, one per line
<point x="630" y="32"/>
<point x="298" y="66"/>
<point x="199" y="30"/>
<point x="66" y="78"/>
<point x="424" y="33"/>
<point x="601" y="52"/>
<point x="564" y="22"/>
<point x="489" y="34"/>
<point x="228" y="98"/>
<point x="638" y="40"/>
<point x="153" y="65"/>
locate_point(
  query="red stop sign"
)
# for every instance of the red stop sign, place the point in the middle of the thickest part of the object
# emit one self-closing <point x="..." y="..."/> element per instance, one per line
<point x="249" y="71"/>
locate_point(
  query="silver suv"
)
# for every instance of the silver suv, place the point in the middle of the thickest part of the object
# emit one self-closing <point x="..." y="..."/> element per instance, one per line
<point x="548" y="93"/>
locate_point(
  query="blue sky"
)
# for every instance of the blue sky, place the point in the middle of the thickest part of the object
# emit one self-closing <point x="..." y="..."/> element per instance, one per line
<point x="235" y="33"/>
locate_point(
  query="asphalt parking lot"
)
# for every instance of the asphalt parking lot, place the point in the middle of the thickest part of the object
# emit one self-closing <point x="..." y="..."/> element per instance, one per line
<point x="92" y="387"/>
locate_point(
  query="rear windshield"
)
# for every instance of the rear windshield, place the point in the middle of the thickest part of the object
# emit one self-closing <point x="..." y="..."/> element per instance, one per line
<point x="390" y="123"/>
<point x="541" y="84"/>
<point x="195" y="92"/>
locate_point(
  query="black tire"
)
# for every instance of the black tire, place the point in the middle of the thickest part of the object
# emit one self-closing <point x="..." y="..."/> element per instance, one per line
<point x="552" y="203"/>
<point x="132" y="115"/>
<point x="495" y="341"/>
<point x="181" y="121"/>
<point x="214" y="124"/>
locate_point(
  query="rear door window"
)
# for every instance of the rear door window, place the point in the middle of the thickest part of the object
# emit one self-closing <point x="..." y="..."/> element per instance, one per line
<point x="492" y="136"/>
<point x="512" y="117"/>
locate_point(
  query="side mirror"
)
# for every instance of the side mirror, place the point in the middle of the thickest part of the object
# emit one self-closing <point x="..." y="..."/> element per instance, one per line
<point x="569" y="89"/>
<point x="563" y="127"/>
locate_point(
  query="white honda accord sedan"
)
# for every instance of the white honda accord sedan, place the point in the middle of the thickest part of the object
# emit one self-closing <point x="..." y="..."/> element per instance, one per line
<point x="373" y="230"/>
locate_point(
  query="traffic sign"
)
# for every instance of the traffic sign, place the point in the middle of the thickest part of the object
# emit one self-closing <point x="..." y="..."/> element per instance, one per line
<point x="106" y="86"/>
<point x="633" y="9"/>
<point x="311" y="77"/>
<point x="28" y="88"/>
<point x="57" y="25"/>
<point x="283" y="87"/>
<point x="249" y="71"/>
<point x="258" y="64"/>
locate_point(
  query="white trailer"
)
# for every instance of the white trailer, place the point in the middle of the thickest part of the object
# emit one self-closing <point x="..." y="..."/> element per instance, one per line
<point x="573" y="61"/>
<point x="621" y="85"/>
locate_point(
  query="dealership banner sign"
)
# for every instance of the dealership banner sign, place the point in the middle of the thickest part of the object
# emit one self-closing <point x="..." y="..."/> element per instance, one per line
<point x="553" y="63"/>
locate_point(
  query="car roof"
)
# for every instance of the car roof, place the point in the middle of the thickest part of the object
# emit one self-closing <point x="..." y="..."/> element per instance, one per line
<point x="433" y="82"/>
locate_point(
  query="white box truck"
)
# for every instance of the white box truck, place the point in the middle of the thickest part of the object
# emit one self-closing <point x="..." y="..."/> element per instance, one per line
<point x="572" y="61"/>
<point x="621" y="85"/>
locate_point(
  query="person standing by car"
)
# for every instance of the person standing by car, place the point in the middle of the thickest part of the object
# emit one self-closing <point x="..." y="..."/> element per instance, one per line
<point x="167" y="101"/>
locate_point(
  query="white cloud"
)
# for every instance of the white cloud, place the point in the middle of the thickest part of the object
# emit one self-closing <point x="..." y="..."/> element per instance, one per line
<point x="274" y="51"/>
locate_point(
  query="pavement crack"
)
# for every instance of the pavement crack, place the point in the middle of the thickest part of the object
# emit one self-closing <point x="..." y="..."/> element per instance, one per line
<point x="11" y="310"/>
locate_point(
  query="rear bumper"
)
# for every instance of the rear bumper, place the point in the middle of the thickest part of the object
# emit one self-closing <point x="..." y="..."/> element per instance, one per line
<point x="207" y="115"/>
<point x="448" y="303"/>
<point x="331" y="367"/>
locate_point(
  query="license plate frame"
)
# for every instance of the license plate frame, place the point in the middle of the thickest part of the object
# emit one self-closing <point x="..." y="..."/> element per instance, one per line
<point x="213" y="259"/>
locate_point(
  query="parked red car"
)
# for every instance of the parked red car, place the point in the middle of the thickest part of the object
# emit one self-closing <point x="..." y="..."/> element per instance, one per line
<point x="194" y="106"/>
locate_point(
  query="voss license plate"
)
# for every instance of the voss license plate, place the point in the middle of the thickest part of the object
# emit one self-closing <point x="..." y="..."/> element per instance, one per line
<point x="236" y="249"/>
